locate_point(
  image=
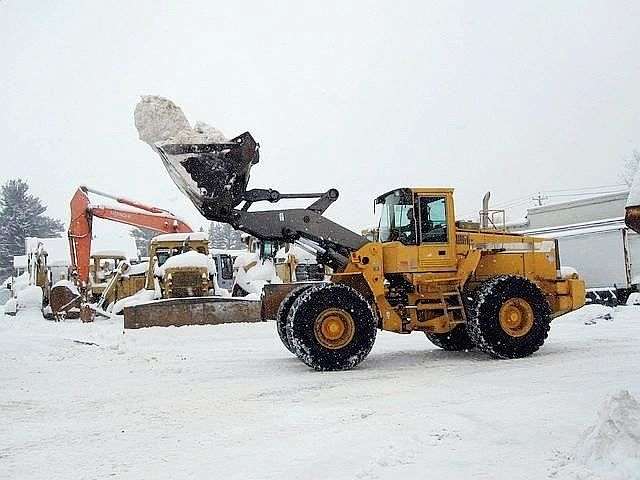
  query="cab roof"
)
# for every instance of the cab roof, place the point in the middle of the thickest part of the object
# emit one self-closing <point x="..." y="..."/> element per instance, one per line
<point x="445" y="190"/>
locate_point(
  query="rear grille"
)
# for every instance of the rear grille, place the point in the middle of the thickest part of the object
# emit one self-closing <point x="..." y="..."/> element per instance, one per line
<point x="186" y="284"/>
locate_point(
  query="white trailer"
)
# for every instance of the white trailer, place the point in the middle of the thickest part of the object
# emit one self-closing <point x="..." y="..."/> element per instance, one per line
<point x="603" y="252"/>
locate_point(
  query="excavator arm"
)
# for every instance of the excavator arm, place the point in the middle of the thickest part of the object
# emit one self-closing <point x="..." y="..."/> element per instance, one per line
<point x="139" y="215"/>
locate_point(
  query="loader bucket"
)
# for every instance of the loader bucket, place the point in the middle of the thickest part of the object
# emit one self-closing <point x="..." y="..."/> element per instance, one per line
<point x="213" y="175"/>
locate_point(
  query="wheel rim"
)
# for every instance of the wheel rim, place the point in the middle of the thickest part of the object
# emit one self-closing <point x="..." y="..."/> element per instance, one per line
<point x="516" y="317"/>
<point x="334" y="328"/>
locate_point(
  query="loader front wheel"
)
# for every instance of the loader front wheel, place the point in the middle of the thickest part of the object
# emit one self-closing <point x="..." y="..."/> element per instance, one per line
<point x="454" y="341"/>
<point x="510" y="318"/>
<point x="331" y="327"/>
<point x="283" y="313"/>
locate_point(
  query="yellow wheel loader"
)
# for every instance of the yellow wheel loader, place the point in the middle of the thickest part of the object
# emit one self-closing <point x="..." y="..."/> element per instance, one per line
<point x="464" y="285"/>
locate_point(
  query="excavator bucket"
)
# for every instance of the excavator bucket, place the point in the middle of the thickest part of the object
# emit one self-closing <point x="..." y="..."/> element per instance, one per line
<point x="214" y="175"/>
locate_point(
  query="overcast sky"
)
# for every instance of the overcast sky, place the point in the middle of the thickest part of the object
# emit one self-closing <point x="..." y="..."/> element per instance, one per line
<point x="512" y="97"/>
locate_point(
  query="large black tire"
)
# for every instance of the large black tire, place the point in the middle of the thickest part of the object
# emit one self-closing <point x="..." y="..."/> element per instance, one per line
<point x="283" y="313"/>
<point x="454" y="341"/>
<point x="306" y="320"/>
<point x="484" y="322"/>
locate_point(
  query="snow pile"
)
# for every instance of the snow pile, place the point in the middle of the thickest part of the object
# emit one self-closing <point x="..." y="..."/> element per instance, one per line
<point x="67" y="284"/>
<point x="252" y="274"/>
<point x="160" y="121"/>
<point x="611" y="448"/>
<point x="30" y="298"/>
<point x="190" y="259"/>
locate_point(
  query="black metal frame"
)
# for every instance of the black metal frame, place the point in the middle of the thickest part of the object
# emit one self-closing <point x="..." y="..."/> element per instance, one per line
<point x="233" y="160"/>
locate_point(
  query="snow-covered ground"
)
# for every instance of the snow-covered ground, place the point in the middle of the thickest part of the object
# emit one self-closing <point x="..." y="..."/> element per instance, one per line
<point x="89" y="401"/>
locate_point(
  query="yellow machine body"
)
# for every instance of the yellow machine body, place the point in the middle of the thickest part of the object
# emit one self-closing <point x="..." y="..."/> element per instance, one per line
<point x="439" y="270"/>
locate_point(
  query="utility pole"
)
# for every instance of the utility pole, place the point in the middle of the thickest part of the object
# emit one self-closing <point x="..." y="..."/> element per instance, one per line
<point x="539" y="198"/>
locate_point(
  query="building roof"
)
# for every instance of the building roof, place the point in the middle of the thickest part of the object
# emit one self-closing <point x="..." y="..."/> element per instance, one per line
<point x="596" y="199"/>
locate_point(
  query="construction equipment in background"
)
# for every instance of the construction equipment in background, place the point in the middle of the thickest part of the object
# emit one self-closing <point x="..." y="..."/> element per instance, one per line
<point x="100" y="276"/>
<point x="294" y="265"/>
<point x="224" y="260"/>
<point x="463" y="286"/>
<point x="80" y="237"/>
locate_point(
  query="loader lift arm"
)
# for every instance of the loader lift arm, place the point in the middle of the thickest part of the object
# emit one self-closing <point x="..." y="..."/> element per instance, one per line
<point x="83" y="212"/>
<point x="215" y="177"/>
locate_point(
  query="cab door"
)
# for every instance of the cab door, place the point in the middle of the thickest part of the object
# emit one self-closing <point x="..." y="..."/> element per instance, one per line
<point x="436" y="232"/>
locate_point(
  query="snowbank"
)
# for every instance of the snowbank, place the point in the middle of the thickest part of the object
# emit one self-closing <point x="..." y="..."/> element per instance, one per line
<point x="611" y="447"/>
<point x="160" y="121"/>
<point x="30" y="298"/>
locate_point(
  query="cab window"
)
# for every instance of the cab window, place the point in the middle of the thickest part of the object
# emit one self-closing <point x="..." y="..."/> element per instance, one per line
<point x="433" y="220"/>
<point x="397" y="219"/>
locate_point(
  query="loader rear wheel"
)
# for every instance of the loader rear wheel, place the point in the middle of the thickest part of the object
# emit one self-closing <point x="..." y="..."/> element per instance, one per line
<point x="454" y="341"/>
<point x="331" y="327"/>
<point x="283" y="313"/>
<point x="510" y="318"/>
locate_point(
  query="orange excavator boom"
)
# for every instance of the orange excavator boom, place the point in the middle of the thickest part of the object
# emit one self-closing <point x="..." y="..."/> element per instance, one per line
<point x="82" y="213"/>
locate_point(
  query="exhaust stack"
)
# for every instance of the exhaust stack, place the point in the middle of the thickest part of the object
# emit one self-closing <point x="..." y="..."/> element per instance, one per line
<point x="484" y="213"/>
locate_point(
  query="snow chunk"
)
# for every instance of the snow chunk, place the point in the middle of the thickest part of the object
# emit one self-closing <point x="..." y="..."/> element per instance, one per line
<point x="611" y="447"/>
<point x="157" y="118"/>
<point x="190" y="259"/>
<point x="30" y="298"/>
<point x="160" y="121"/>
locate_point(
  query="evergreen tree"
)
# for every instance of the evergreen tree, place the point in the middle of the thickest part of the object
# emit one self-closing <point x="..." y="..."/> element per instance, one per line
<point x="142" y="237"/>
<point x="21" y="216"/>
<point x="224" y="236"/>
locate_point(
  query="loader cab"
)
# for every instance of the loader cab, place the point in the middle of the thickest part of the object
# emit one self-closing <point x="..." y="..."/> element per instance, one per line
<point x="418" y="229"/>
